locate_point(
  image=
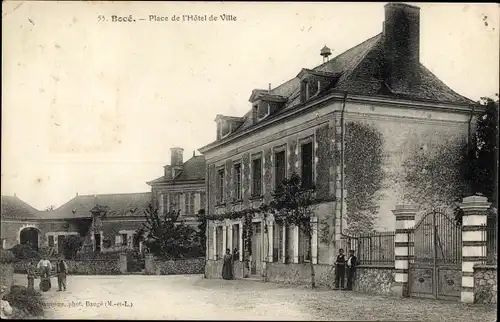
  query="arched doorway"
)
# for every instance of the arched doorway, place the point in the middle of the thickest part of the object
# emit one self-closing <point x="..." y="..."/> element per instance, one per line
<point x="29" y="236"/>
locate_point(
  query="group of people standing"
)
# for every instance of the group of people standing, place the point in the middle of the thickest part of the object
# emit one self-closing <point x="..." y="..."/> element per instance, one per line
<point x="343" y="266"/>
<point x="44" y="270"/>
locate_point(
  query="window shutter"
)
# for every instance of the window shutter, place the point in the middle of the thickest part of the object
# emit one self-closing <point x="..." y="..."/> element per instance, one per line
<point x="118" y="240"/>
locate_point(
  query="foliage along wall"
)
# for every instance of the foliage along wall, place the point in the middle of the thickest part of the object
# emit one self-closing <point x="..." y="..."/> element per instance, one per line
<point x="391" y="161"/>
<point x="364" y="175"/>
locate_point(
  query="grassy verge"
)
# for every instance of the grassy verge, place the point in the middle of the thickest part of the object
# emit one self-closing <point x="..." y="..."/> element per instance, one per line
<point x="25" y="303"/>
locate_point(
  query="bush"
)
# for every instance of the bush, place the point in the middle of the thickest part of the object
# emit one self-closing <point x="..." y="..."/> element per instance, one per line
<point x="71" y="245"/>
<point x="6" y="256"/>
<point x="26" y="300"/>
<point x="22" y="251"/>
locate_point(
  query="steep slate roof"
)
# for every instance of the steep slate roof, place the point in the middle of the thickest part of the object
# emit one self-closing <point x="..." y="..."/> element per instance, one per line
<point x="15" y="208"/>
<point x="361" y="69"/>
<point x="126" y="204"/>
<point x="193" y="169"/>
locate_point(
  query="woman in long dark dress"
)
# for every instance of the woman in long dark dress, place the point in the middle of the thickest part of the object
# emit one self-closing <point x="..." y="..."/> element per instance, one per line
<point x="227" y="267"/>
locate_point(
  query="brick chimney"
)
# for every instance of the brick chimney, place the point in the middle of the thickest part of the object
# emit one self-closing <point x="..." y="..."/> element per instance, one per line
<point x="176" y="160"/>
<point x="401" y="36"/>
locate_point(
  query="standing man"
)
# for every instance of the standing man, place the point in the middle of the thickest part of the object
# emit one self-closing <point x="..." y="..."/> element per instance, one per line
<point x="62" y="272"/>
<point x="352" y="262"/>
<point x="340" y="270"/>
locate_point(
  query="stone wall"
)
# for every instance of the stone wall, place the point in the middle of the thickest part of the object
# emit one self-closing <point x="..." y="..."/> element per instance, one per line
<point x="80" y="267"/>
<point x="175" y="267"/>
<point x="369" y="279"/>
<point x="485" y="284"/>
<point x="6" y="276"/>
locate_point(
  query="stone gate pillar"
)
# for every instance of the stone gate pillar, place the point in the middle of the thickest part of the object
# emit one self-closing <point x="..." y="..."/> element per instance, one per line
<point x="473" y="241"/>
<point x="403" y="246"/>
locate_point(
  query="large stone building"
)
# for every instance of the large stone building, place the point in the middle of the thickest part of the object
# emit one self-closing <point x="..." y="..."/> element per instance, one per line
<point x="182" y="187"/>
<point x="351" y="126"/>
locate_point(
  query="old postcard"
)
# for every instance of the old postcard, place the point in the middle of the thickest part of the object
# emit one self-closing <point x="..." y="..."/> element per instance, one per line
<point x="249" y="161"/>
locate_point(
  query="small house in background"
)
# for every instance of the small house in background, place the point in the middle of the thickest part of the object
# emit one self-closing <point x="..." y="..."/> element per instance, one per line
<point x="182" y="187"/>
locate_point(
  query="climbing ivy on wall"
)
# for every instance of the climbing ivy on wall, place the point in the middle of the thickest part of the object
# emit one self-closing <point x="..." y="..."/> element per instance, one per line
<point x="432" y="174"/>
<point x="364" y="175"/>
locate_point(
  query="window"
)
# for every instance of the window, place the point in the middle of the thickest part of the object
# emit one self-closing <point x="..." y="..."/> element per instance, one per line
<point x="189" y="199"/>
<point x="277" y="243"/>
<point x="236" y="238"/>
<point x="124" y="239"/>
<point x="161" y="204"/>
<point x="264" y="110"/>
<point x="176" y="201"/>
<point x="257" y="177"/>
<point x="202" y="200"/>
<point x="304" y="249"/>
<point x="219" y="246"/>
<point x="220" y="185"/>
<point x="51" y="241"/>
<point x="307" y="165"/>
<point x="304" y="91"/>
<point x="118" y="240"/>
<point x="237" y="181"/>
<point x="279" y="170"/>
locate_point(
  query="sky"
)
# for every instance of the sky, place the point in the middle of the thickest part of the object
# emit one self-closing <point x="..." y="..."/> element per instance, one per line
<point x="92" y="106"/>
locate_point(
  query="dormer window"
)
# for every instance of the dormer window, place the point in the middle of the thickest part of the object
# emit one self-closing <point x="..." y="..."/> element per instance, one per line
<point x="226" y="125"/>
<point x="264" y="110"/>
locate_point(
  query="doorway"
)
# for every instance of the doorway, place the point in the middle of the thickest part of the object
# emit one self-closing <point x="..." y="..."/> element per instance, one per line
<point x="256" y="249"/>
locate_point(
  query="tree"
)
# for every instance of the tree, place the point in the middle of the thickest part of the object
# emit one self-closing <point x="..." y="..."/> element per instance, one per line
<point x="202" y="227"/>
<point x="50" y="208"/>
<point x="294" y="205"/>
<point x="479" y="168"/>
<point x="71" y="245"/>
<point x="168" y="237"/>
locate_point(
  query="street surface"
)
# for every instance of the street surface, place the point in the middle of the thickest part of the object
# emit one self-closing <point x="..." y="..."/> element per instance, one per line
<point x="191" y="297"/>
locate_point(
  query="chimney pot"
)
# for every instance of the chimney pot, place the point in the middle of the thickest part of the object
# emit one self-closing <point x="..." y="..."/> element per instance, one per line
<point x="401" y="37"/>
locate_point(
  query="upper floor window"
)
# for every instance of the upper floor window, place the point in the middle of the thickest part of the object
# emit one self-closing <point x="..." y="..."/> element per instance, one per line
<point x="307" y="164"/>
<point x="257" y="177"/>
<point x="237" y="181"/>
<point x="279" y="170"/>
<point x="161" y="204"/>
<point x="220" y="185"/>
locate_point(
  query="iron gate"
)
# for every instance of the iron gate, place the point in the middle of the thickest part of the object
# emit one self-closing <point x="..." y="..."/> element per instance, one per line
<point x="435" y="269"/>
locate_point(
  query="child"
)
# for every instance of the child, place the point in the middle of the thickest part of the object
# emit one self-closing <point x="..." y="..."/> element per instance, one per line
<point x="340" y="270"/>
<point x="31" y="276"/>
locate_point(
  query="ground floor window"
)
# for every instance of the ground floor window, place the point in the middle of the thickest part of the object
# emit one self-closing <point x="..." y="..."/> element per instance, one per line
<point x="51" y="241"/>
<point x="304" y="247"/>
<point x="236" y="239"/>
<point x="219" y="242"/>
<point x="277" y="242"/>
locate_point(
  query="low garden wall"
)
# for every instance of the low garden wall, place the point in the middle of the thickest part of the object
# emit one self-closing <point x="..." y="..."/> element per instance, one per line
<point x="6" y="277"/>
<point x="80" y="267"/>
<point x="485" y="284"/>
<point x="174" y="267"/>
<point x="373" y="279"/>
